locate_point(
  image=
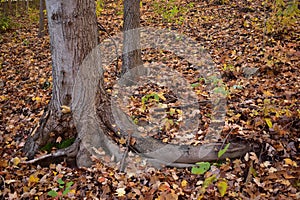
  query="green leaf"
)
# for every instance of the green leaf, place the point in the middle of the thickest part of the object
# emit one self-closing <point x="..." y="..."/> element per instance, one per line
<point x="66" y="143"/>
<point x="60" y="181"/>
<point x="201" y="168"/>
<point x="222" y="187"/>
<point x="222" y="151"/>
<point x="209" y="180"/>
<point x="195" y="85"/>
<point x="47" y="147"/>
<point x="66" y="191"/>
<point x="253" y="171"/>
<point x="220" y="90"/>
<point x="69" y="184"/>
<point x="52" y="193"/>
<point x="269" y="122"/>
<point x="144" y="99"/>
<point x="156" y="97"/>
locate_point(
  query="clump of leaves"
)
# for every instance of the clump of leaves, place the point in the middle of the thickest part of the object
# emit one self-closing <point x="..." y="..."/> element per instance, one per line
<point x="99" y="7"/>
<point x="151" y="97"/>
<point x="64" y="189"/>
<point x="33" y="15"/>
<point x="5" y="23"/>
<point x="170" y="11"/>
<point x="283" y="16"/>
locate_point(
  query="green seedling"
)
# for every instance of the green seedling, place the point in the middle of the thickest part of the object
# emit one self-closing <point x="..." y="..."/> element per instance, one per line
<point x="64" y="189"/>
<point x="202" y="167"/>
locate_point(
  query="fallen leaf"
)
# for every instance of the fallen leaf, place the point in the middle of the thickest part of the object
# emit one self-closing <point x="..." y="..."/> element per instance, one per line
<point x="222" y="187"/>
<point x="120" y="192"/>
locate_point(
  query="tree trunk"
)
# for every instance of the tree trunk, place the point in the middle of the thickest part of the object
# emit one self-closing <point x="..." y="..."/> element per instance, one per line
<point x="41" y="20"/>
<point x="73" y="34"/>
<point x="131" y="57"/>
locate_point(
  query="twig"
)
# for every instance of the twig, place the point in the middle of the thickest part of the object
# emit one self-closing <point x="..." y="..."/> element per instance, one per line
<point x="249" y="172"/>
<point x="56" y="154"/>
<point x="101" y="28"/>
<point x="122" y="165"/>
<point x="3" y="181"/>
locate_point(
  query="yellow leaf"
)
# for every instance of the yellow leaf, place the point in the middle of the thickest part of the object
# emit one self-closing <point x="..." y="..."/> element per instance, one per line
<point x="161" y="105"/>
<point x="290" y="162"/>
<point x="33" y="179"/>
<point x="269" y="122"/>
<point x="122" y="140"/>
<point x="246" y="24"/>
<point x="267" y="93"/>
<point x="16" y="161"/>
<point x="222" y="187"/>
<point x="2" y="98"/>
<point x="184" y="183"/>
<point x="161" y="96"/>
<point x="179" y="111"/>
<point x="172" y="111"/>
<point x="37" y="99"/>
<point x="65" y="109"/>
<point x="72" y="191"/>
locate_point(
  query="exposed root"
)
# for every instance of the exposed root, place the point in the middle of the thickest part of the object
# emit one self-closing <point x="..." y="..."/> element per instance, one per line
<point x="68" y="152"/>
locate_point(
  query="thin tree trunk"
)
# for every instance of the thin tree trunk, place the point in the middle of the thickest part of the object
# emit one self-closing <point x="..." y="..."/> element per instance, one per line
<point x="41" y="20"/>
<point x="131" y="44"/>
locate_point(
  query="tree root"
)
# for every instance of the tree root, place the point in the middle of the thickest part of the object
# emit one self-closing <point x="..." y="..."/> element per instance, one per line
<point x="68" y="152"/>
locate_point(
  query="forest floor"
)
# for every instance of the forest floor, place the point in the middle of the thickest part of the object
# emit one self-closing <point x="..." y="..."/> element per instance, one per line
<point x="260" y="67"/>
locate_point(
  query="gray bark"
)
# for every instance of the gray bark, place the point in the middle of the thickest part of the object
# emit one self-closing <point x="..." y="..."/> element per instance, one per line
<point x="41" y="20"/>
<point x="131" y="58"/>
<point x="73" y="34"/>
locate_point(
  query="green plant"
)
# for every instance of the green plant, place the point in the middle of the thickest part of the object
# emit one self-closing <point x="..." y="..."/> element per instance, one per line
<point x="99" y="7"/>
<point x="219" y="88"/>
<point x="171" y="11"/>
<point x="64" y="189"/>
<point x="150" y="98"/>
<point x="202" y="167"/>
<point x="33" y="15"/>
<point x="228" y="67"/>
<point x="5" y="23"/>
<point x="63" y="144"/>
<point x="283" y="16"/>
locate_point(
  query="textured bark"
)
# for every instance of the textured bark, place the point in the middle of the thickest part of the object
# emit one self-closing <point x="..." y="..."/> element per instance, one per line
<point x="41" y="20"/>
<point x="73" y="34"/>
<point x="131" y="58"/>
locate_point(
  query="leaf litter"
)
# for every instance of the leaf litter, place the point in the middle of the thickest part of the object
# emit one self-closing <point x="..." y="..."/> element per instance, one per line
<point x="262" y="105"/>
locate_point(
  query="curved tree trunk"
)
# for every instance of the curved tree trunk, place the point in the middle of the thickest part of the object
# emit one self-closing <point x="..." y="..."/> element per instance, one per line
<point x="80" y="107"/>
